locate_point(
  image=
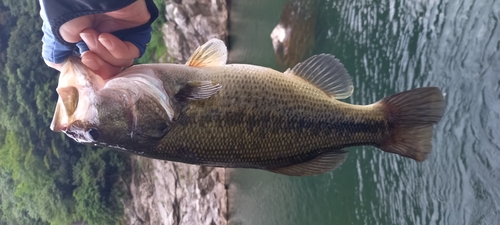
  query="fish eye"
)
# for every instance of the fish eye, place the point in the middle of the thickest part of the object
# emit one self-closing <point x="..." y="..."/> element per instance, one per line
<point x="94" y="133"/>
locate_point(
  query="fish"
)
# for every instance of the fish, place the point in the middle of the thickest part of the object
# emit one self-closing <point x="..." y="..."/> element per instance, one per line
<point x="207" y="112"/>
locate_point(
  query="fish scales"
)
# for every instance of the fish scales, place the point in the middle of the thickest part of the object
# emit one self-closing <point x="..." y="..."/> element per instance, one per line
<point x="278" y="120"/>
<point x="209" y="113"/>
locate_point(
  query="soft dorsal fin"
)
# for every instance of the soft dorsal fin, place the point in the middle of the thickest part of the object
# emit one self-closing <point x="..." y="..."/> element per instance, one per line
<point x="212" y="53"/>
<point x="327" y="73"/>
<point x="323" y="163"/>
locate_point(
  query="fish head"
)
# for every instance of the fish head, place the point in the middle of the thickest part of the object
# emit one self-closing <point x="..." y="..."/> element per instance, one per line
<point x="77" y="89"/>
<point x="101" y="118"/>
<point x="129" y="111"/>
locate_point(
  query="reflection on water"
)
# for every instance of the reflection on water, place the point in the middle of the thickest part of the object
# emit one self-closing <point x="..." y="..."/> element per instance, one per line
<point x="293" y="37"/>
<point x="390" y="46"/>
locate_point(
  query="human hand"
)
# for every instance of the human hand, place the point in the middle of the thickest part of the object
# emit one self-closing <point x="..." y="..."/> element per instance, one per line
<point x="107" y="54"/>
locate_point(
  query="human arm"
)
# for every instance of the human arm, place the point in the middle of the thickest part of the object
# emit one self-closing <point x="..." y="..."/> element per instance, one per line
<point x="107" y="41"/>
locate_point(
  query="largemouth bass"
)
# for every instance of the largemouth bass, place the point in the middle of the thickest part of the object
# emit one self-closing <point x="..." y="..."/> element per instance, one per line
<point x="238" y="115"/>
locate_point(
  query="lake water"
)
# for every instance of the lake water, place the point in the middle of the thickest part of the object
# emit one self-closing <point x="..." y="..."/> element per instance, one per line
<point x="389" y="46"/>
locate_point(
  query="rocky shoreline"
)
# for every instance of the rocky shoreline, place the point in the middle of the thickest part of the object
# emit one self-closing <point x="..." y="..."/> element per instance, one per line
<point x="191" y="23"/>
<point x="164" y="192"/>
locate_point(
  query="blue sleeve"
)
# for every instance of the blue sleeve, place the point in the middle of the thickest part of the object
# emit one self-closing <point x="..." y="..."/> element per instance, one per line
<point x="53" y="50"/>
<point x="140" y="39"/>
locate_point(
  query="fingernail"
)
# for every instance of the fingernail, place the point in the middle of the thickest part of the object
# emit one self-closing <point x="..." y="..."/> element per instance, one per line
<point x="88" y="39"/>
<point x="107" y="43"/>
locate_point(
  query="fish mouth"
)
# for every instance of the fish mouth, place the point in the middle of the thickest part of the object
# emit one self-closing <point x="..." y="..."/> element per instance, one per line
<point x="81" y="134"/>
<point x="77" y="89"/>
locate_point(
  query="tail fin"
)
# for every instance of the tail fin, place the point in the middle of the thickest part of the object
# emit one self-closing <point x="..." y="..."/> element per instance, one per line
<point x="411" y="115"/>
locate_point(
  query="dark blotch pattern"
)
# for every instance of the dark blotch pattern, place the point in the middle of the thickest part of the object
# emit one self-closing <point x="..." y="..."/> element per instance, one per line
<point x="265" y="119"/>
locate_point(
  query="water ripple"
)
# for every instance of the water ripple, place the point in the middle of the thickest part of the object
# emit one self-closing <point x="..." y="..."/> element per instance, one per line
<point x="390" y="46"/>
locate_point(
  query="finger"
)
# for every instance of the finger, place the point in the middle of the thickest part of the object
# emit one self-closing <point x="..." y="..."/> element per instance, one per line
<point x="118" y="48"/>
<point x="70" y="31"/>
<point x="99" y="66"/>
<point x="90" y="37"/>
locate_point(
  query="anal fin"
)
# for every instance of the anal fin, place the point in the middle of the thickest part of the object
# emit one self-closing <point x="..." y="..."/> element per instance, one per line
<point x="320" y="164"/>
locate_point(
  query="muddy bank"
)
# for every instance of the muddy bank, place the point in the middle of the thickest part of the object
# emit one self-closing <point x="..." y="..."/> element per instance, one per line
<point x="164" y="192"/>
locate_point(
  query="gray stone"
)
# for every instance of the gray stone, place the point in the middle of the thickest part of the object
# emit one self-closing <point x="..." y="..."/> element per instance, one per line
<point x="165" y="192"/>
<point x="191" y="23"/>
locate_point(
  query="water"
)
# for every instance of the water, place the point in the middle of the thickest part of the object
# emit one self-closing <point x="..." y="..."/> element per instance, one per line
<point x="390" y="46"/>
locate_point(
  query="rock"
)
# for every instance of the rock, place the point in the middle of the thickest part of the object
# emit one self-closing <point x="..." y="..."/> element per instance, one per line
<point x="190" y="23"/>
<point x="165" y="192"/>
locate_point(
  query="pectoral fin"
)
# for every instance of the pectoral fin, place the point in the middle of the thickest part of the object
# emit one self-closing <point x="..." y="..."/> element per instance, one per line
<point x="197" y="90"/>
<point x="321" y="164"/>
<point x="212" y="53"/>
<point x="69" y="97"/>
<point x="65" y="108"/>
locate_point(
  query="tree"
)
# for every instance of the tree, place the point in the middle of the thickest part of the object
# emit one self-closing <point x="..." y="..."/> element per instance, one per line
<point x="44" y="176"/>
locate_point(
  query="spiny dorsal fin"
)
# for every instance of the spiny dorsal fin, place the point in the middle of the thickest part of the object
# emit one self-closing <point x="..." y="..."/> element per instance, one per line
<point x="327" y="73"/>
<point x="321" y="164"/>
<point x="212" y="53"/>
<point x="197" y="90"/>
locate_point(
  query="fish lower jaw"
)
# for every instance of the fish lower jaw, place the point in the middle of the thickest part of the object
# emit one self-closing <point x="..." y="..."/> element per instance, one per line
<point x="58" y="127"/>
<point x="78" y="138"/>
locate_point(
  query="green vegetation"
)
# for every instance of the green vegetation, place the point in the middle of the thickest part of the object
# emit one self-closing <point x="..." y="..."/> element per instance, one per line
<point x="156" y="51"/>
<point x="45" y="177"/>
